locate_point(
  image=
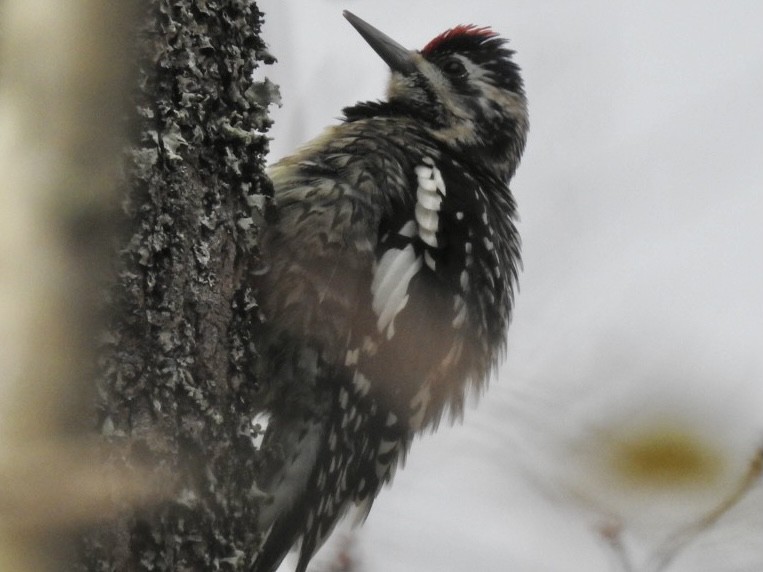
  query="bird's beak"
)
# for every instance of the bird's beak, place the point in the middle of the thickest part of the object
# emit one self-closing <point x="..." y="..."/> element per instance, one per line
<point x="397" y="57"/>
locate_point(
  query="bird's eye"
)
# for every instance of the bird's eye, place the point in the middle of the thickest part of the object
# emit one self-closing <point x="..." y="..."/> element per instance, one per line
<point x="454" y="68"/>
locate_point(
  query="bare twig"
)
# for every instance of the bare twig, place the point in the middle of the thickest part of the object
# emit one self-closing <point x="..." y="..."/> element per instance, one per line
<point x="611" y="534"/>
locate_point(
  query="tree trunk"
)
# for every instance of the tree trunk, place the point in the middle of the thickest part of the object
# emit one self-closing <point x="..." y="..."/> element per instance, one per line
<point x="177" y="388"/>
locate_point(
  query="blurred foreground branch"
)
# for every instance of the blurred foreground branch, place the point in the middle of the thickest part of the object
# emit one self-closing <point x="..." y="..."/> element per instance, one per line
<point x="62" y="83"/>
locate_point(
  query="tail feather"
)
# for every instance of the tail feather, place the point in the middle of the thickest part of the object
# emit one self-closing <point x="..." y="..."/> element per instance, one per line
<point x="282" y="536"/>
<point x="296" y="444"/>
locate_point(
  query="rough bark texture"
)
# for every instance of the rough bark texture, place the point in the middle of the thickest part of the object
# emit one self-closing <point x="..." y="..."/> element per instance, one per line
<point x="178" y="388"/>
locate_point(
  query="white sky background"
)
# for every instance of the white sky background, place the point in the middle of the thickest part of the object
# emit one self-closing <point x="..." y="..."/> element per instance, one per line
<point x="641" y="201"/>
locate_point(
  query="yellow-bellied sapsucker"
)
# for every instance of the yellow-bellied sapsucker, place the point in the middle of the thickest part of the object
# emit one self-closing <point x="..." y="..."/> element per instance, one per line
<point x="390" y="268"/>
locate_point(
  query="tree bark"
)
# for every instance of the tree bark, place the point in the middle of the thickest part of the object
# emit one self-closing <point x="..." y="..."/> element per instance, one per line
<point x="177" y="389"/>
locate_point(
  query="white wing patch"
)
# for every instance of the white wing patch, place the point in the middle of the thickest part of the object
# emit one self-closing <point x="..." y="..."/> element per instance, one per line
<point x="409" y="229"/>
<point x="429" y="194"/>
<point x="389" y="287"/>
<point x="397" y="267"/>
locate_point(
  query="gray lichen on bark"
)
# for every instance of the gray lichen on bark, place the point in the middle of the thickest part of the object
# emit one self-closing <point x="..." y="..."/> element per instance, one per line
<point x="177" y="387"/>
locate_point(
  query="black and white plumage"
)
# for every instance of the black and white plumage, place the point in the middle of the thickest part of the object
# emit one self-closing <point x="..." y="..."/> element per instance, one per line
<point x="391" y="264"/>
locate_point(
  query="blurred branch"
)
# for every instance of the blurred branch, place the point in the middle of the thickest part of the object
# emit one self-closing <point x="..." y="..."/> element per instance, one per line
<point x="62" y="85"/>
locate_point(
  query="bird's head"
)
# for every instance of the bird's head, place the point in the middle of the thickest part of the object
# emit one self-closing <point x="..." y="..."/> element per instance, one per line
<point x="465" y="87"/>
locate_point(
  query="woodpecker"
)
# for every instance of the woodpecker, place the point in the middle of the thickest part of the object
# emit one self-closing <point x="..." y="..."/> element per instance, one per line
<point x="390" y="266"/>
